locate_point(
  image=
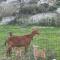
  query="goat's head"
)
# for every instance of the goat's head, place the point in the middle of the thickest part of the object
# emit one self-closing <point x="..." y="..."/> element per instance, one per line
<point x="35" y="32"/>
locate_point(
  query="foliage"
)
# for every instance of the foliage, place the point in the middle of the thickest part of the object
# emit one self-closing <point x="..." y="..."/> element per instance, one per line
<point x="52" y="8"/>
<point x="58" y="3"/>
<point x="51" y="20"/>
<point x="33" y="9"/>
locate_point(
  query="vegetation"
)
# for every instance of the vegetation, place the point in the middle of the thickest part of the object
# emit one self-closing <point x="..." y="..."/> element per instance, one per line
<point x="49" y="38"/>
<point x="58" y="3"/>
<point x="33" y="8"/>
<point x="50" y="20"/>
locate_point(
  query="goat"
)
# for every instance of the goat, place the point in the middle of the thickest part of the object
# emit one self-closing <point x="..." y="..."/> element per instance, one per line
<point x="36" y="52"/>
<point x="39" y="54"/>
<point x="20" y="41"/>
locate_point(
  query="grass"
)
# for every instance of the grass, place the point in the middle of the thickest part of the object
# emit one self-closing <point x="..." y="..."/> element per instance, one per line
<point x="49" y="38"/>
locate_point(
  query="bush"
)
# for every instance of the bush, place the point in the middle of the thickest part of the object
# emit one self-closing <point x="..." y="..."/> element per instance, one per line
<point x="52" y="8"/>
<point x="33" y="9"/>
<point x="58" y="3"/>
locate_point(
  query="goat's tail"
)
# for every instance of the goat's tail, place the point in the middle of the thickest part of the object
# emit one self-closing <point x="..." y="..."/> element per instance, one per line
<point x="10" y="34"/>
<point x="5" y="42"/>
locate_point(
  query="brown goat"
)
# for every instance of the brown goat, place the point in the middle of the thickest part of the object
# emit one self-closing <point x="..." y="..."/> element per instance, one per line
<point x="19" y="41"/>
<point x="39" y="54"/>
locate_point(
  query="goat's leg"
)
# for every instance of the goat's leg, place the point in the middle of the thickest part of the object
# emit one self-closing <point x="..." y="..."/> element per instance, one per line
<point x="26" y="48"/>
<point x="9" y="52"/>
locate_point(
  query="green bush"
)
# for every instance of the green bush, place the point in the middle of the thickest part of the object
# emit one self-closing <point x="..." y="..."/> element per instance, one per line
<point x="52" y="8"/>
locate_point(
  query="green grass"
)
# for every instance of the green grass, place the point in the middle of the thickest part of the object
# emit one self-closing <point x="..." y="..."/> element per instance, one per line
<point x="49" y="38"/>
